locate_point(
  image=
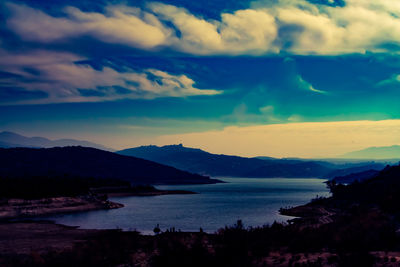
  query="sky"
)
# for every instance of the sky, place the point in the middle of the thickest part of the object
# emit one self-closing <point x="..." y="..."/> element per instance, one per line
<point x="283" y="78"/>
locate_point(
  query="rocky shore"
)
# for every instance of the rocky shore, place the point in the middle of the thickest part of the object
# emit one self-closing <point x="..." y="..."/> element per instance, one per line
<point x="22" y="208"/>
<point x="310" y="215"/>
<point x="138" y="191"/>
<point x="16" y="208"/>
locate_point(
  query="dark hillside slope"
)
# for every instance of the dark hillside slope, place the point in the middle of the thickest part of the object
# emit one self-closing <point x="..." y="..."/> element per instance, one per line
<point x="382" y="190"/>
<point x="351" y="170"/>
<point x="84" y="162"/>
<point x="359" y="176"/>
<point x="199" y="161"/>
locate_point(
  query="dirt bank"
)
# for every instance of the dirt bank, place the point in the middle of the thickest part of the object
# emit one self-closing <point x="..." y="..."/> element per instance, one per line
<point x="21" y="208"/>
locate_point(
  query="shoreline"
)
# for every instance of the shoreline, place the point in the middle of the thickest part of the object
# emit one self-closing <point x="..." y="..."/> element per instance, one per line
<point x="17" y="208"/>
<point x="150" y="194"/>
<point x="310" y="215"/>
<point x="22" y="209"/>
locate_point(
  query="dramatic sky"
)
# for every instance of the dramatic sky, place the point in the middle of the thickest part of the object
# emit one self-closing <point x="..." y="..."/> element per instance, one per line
<point x="314" y="78"/>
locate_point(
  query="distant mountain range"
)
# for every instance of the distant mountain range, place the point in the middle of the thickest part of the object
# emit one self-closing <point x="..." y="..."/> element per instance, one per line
<point x="202" y="162"/>
<point x="198" y="161"/>
<point x="83" y="162"/>
<point x="384" y="152"/>
<point x="10" y="139"/>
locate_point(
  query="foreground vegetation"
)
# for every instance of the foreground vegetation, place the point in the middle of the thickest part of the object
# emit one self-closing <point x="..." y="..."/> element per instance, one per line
<point x="275" y="245"/>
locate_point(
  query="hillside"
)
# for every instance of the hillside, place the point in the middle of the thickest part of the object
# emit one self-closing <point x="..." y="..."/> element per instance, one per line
<point x="359" y="176"/>
<point x="383" y="190"/>
<point x="367" y="192"/>
<point x="83" y="162"/>
<point x="384" y="152"/>
<point x="199" y="161"/>
<point x="367" y="166"/>
<point x="10" y="139"/>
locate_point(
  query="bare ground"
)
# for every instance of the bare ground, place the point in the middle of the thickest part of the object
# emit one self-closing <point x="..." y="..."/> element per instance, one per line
<point x="39" y="237"/>
<point x="20" y="208"/>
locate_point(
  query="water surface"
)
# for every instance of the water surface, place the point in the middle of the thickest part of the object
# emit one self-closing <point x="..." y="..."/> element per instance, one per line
<point x="255" y="201"/>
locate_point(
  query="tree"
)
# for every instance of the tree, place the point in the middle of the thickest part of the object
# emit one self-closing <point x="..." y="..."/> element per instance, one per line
<point x="157" y="229"/>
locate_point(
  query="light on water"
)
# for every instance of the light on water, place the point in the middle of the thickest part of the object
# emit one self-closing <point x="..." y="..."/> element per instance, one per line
<point x="255" y="201"/>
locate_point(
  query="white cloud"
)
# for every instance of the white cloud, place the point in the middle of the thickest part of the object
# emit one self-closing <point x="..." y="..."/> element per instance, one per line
<point x="244" y="31"/>
<point x="303" y="84"/>
<point x="392" y="80"/>
<point x="65" y="81"/>
<point x="267" y="109"/>
<point x="307" y="139"/>
<point x="123" y="25"/>
<point x="293" y="26"/>
<point x="359" y="26"/>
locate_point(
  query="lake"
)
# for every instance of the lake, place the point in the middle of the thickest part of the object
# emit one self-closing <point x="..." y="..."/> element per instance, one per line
<point x="255" y="201"/>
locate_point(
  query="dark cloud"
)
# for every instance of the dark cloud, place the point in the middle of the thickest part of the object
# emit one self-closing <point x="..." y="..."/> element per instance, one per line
<point x="7" y="75"/>
<point x="332" y="3"/>
<point x="10" y="95"/>
<point x="91" y="92"/>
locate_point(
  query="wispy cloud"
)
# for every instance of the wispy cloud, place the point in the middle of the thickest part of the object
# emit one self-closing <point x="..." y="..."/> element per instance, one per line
<point x="393" y="80"/>
<point x="63" y="79"/>
<point x="307" y="86"/>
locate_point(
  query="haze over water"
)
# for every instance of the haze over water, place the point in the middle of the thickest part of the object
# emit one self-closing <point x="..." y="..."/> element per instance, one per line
<point x="255" y="201"/>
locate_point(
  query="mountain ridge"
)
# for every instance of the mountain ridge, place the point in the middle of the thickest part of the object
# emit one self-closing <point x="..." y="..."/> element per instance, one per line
<point x="198" y="161"/>
<point x="10" y="139"/>
<point x="382" y="152"/>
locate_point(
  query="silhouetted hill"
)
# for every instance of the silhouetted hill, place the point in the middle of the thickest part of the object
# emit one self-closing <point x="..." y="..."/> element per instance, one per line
<point x="8" y="145"/>
<point x="199" y="161"/>
<point x="361" y="168"/>
<point x="384" y="152"/>
<point x="338" y="163"/>
<point x="89" y="163"/>
<point x="359" y="176"/>
<point x="383" y="190"/>
<point x="10" y="139"/>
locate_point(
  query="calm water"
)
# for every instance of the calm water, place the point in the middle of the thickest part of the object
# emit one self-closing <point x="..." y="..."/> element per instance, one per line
<point x="255" y="201"/>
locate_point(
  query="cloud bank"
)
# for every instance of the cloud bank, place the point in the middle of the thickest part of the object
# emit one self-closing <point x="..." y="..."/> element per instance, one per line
<point x="289" y="26"/>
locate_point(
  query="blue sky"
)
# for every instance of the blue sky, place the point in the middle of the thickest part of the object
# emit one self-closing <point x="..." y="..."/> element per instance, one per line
<point x="126" y="73"/>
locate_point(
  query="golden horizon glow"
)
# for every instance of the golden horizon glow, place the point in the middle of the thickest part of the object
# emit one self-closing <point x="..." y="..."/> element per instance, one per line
<point x="306" y="139"/>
